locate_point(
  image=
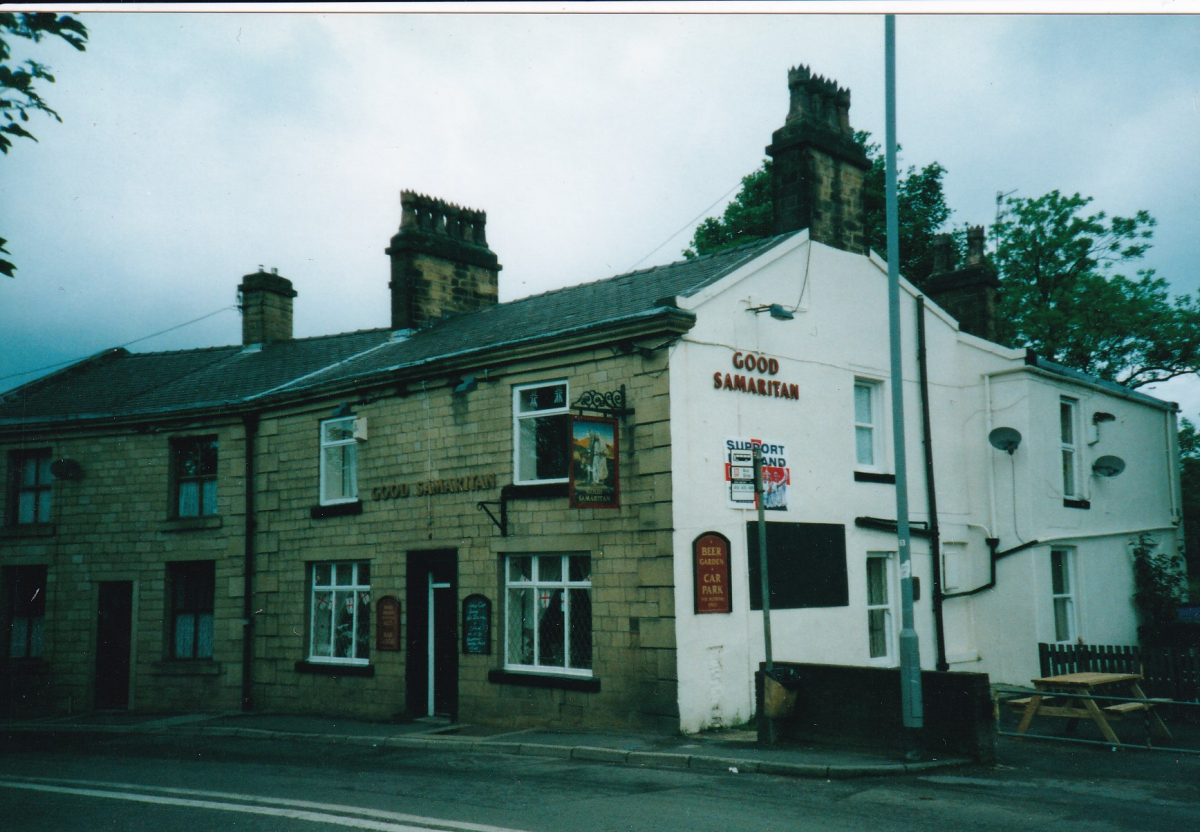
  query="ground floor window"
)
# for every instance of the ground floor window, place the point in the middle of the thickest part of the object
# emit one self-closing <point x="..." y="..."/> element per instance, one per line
<point x="1062" y="591"/>
<point x="340" y="612"/>
<point x="191" y="586"/>
<point x="25" y="610"/>
<point x="880" y="615"/>
<point x="548" y="617"/>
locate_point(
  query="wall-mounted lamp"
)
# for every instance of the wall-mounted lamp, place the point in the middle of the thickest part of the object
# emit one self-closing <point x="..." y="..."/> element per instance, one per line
<point x="343" y="409"/>
<point x="466" y="384"/>
<point x="777" y="311"/>
<point x="1005" y="439"/>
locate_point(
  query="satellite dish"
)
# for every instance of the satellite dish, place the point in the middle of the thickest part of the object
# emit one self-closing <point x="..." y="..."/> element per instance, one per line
<point x="1005" y="439"/>
<point x="65" y="469"/>
<point x="1108" y="466"/>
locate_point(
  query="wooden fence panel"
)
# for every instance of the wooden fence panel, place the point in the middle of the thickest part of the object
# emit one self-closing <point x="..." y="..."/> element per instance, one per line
<point x="1167" y="673"/>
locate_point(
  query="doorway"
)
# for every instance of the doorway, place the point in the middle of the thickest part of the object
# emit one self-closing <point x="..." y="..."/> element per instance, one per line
<point x="114" y="628"/>
<point x="432" y="668"/>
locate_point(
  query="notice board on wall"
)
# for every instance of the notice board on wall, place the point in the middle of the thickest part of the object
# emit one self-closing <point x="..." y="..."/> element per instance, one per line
<point x="477" y="625"/>
<point x="806" y="565"/>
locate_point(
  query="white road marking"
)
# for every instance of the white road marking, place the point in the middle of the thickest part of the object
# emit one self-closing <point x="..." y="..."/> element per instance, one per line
<point x="294" y="809"/>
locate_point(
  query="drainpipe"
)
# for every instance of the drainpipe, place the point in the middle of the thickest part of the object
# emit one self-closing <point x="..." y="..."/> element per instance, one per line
<point x="250" y="422"/>
<point x="935" y="554"/>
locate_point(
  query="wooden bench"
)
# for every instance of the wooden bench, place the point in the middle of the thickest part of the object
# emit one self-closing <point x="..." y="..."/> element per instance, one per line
<point x="1126" y="708"/>
<point x="1022" y="703"/>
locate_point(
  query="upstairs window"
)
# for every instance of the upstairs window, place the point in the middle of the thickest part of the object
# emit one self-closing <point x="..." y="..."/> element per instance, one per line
<point x="339" y="461"/>
<point x="25" y="610"/>
<point x="1066" y="419"/>
<point x="192" y="585"/>
<point x="194" y="467"/>
<point x="29" y="486"/>
<point x="541" y="423"/>
<point x="868" y="433"/>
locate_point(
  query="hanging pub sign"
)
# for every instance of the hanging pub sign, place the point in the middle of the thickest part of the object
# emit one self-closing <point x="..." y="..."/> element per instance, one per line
<point x="387" y="623"/>
<point x="710" y="560"/>
<point x="477" y="625"/>
<point x="739" y="473"/>
<point x="594" y="474"/>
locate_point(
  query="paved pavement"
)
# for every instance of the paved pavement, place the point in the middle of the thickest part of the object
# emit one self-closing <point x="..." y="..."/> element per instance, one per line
<point x="726" y="750"/>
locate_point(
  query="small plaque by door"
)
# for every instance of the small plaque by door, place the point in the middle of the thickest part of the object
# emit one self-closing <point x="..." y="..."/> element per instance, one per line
<point x="387" y="623"/>
<point x="477" y="625"/>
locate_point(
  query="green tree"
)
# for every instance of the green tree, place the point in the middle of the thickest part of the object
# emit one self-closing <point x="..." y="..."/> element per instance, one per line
<point x="1061" y="297"/>
<point x="18" y="94"/>
<point x="921" y="201"/>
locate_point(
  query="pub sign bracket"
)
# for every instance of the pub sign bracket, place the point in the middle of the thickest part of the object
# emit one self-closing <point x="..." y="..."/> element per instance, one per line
<point x="611" y="403"/>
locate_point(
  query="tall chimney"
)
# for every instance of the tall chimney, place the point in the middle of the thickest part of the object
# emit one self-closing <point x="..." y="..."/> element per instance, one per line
<point x="441" y="263"/>
<point x="266" y="304"/>
<point x="971" y="292"/>
<point x="818" y="170"/>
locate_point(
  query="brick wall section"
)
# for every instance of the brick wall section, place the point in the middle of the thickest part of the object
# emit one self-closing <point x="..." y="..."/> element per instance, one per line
<point x="113" y="524"/>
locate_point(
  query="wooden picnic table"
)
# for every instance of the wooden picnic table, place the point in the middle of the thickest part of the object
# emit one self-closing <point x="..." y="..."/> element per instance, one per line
<point x="1087" y="688"/>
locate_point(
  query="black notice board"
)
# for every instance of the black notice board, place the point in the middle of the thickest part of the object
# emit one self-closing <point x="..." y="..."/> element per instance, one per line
<point x="477" y="625"/>
<point x="806" y="565"/>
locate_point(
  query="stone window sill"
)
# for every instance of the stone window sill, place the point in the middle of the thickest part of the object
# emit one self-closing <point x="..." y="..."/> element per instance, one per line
<point x="187" y="667"/>
<point x="587" y="684"/>
<point x="191" y="524"/>
<point x="24" y="667"/>
<point x="323" y="669"/>
<point x="870" y="476"/>
<point x="27" y="530"/>
<point x="336" y="510"/>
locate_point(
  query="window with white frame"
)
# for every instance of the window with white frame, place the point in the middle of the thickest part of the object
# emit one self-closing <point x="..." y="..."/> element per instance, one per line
<point x="25" y="610"/>
<point x="1066" y="418"/>
<point x="339" y="461"/>
<point x="1062" y="592"/>
<point x="340" y="605"/>
<point x="881" y="619"/>
<point x="548" y="613"/>
<point x="868" y="428"/>
<point x="192" y="585"/>
<point x="194" y="469"/>
<point x="540" y="425"/>
<point x="29" y="486"/>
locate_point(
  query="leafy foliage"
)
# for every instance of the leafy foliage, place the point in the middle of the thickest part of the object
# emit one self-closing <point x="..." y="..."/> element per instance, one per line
<point x="1158" y="589"/>
<point x="1061" y="297"/>
<point x="18" y="94"/>
<point x="749" y="216"/>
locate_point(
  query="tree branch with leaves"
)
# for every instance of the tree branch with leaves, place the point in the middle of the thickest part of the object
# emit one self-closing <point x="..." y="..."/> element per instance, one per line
<point x="19" y="96"/>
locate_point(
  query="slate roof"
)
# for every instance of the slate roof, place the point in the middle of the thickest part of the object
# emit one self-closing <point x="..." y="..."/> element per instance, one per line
<point x="120" y="383"/>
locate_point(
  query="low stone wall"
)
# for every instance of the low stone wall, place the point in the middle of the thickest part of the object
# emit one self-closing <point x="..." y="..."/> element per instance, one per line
<point x="860" y="706"/>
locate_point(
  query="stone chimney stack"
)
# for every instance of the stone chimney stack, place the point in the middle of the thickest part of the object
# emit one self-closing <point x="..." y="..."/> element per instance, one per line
<point x="266" y="304"/>
<point x="969" y="292"/>
<point x="441" y="263"/>
<point x="818" y="170"/>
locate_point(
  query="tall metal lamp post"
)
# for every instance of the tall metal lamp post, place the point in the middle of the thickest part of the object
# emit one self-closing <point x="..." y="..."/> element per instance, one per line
<point x="910" y="651"/>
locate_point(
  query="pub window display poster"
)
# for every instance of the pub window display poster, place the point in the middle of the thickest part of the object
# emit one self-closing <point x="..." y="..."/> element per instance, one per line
<point x="594" y="462"/>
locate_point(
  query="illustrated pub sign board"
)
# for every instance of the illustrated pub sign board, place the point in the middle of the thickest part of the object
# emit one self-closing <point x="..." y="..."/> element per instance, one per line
<point x="594" y="461"/>
<point x="710" y="557"/>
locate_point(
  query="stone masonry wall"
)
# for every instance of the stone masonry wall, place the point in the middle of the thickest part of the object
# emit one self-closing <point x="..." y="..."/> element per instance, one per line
<point x="113" y="524"/>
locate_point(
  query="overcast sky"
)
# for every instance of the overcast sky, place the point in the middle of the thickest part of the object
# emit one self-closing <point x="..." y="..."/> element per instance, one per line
<point x="195" y="147"/>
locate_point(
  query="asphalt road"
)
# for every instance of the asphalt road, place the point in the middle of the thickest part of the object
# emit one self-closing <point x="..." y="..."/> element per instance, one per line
<point x="131" y="782"/>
